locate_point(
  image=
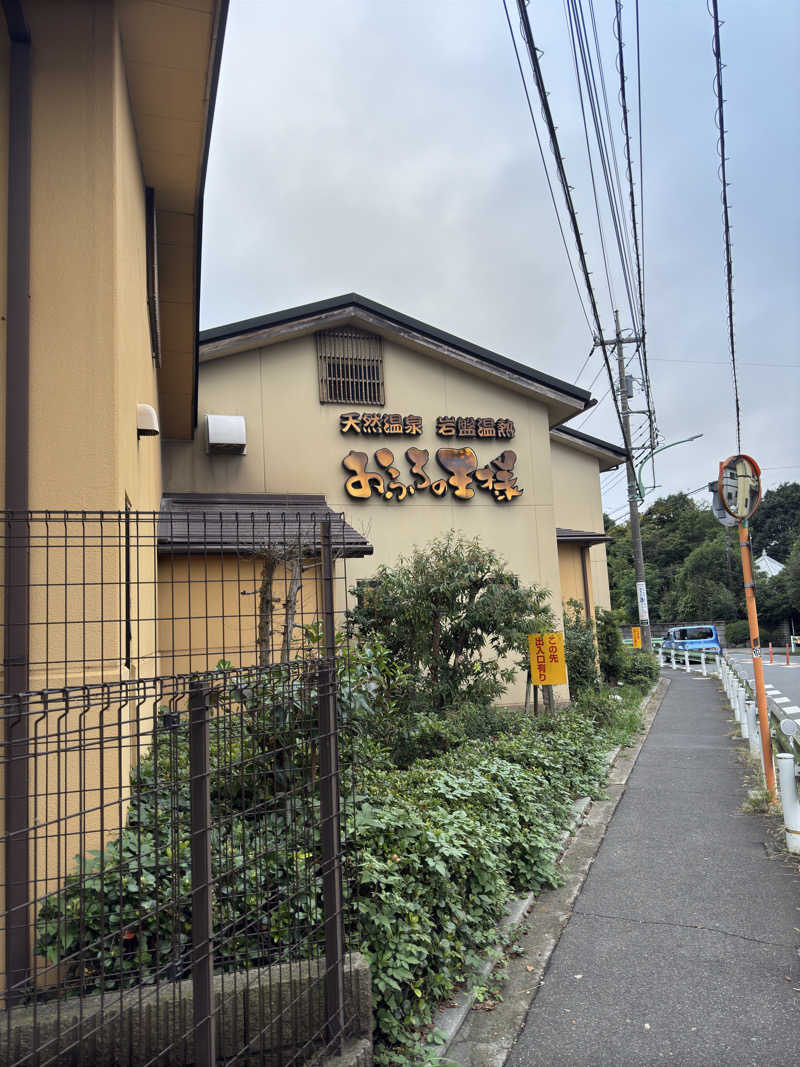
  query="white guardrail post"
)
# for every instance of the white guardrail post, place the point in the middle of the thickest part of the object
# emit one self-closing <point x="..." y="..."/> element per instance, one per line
<point x="686" y="666"/>
<point x="789" y="800"/>
<point x="672" y="658"/>
<point x="741" y="714"/>
<point x="753" y="735"/>
<point x="738" y="700"/>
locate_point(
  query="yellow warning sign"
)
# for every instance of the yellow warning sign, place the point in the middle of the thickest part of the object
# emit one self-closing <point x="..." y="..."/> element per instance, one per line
<point x="548" y="665"/>
<point x="636" y="632"/>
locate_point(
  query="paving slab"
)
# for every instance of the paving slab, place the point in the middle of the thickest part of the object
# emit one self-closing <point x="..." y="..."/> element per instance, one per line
<point x="682" y="945"/>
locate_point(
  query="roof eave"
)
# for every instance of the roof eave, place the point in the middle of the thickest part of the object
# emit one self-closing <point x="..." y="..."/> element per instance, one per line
<point x="562" y="399"/>
<point x="610" y="456"/>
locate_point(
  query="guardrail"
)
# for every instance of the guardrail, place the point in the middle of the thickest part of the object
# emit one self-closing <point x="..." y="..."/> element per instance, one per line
<point x="785" y="739"/>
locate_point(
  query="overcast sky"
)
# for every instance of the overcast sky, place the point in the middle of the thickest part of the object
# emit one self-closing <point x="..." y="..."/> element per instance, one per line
<point x="387" y="149"/>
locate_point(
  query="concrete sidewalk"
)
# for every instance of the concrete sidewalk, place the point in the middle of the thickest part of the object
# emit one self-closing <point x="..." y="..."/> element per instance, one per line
<point x="683" y="943"/>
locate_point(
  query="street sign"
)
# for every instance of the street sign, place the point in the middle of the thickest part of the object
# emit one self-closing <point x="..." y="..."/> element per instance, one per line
<point x="548" y="663"/>
<point x="636" y="633"/>
<point x="739" y="486"/>
<point x="641" y="598"/>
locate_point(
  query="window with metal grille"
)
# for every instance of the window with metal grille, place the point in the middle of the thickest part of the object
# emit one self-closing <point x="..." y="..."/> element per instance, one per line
<point x="350" y="363"/>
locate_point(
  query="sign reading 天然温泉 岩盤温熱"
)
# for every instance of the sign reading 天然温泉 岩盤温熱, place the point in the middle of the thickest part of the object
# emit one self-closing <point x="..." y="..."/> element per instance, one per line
<point x="467" y="427"/>
<point x="548" y="663"/>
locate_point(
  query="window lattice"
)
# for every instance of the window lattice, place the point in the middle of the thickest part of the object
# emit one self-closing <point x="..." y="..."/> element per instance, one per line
<point x="350" y="364"/>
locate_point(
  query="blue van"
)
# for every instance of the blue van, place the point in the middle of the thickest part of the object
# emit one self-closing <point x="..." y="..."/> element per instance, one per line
<point x="693" y="638"/>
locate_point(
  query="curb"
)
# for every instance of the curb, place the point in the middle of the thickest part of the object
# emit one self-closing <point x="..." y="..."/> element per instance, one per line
<point x="451" y="1020"/>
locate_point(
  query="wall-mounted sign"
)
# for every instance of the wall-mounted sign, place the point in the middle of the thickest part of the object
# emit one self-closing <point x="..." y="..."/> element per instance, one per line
<point x="374" y="423"/>
<point x="460" y="464"/>
<point x="636" y="635"/>
<point x="467" y="426"/>
<point x="548" y="663"/>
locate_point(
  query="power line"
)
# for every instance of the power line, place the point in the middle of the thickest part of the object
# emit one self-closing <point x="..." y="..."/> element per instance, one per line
<point x="544" y="164"/>
<point x="551" y="129"/>
<point x="726" y="215"/>
<point x="722" y="363"/>
<point x="638" y="256"/>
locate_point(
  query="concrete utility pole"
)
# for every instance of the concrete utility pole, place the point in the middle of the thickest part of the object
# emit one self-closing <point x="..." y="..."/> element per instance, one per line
<point x="633" y="496"/>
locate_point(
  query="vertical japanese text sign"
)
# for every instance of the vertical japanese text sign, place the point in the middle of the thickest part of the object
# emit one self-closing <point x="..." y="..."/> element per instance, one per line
<point x="548" y="665"/>
<point x="636" y="634"/>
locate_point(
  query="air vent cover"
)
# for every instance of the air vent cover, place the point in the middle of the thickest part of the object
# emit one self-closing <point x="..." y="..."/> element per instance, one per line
<point x="225" y="435"/>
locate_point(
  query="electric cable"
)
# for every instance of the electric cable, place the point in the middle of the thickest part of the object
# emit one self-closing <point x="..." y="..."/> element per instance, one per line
<point x="551" y="129"/>
<point x="544" y="164"/>
<point x="717" y="49"/>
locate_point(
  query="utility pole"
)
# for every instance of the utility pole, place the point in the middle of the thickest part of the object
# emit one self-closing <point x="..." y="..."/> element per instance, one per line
<point x="633" y="495"/>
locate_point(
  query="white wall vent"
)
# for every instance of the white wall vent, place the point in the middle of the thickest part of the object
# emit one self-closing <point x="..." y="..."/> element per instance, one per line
<point x="225" y="435"/>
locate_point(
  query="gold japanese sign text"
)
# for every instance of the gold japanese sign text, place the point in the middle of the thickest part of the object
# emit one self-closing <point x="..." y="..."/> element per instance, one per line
<point x="463" y="475"/>
<point x="393" y="424"/>
<point x="548" y="664"/>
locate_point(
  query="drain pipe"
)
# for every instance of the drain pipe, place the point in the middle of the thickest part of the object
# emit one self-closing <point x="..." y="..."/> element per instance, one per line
<point x="16" y="639"/>
<point x="789" y="800"/>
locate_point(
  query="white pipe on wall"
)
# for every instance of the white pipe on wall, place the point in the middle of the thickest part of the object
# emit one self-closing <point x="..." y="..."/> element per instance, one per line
<point x="791" y="805"/>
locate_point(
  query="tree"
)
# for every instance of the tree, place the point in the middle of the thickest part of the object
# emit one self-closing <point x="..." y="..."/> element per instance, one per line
<point x="580" y="649"/>
<point x="455" y="614"/>
<point x="776" y="525"/>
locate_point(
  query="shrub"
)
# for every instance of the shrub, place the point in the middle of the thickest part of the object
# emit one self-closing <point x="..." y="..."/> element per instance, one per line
<point x="609" y="645"/>
<point x="737" y="632"/>
<point x="455" y="614"/>
<point x="431" y="852"/>
<point x="639" y="668"/>
<point x="580" y="649"/>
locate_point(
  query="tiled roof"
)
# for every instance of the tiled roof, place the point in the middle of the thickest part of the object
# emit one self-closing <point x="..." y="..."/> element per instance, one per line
<point x="247" y="523"/>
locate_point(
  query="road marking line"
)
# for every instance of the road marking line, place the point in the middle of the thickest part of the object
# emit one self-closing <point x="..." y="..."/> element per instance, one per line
<point x="793" y="710"/>
<point x="781" y="700"/>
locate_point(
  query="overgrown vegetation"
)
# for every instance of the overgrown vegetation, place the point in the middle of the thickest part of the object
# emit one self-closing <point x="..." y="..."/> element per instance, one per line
<point x="452" y="803"/>
<point x="457" y="616"/>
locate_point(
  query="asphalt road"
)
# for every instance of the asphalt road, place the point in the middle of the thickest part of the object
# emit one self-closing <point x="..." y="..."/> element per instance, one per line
<point x="683" y="944"/>
<point x="782" y="681"/>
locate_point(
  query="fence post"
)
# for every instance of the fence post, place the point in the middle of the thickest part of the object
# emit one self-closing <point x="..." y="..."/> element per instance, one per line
<point x="330" y="829"/>
<point x="200" y="815"/>
<point x="17" y="873"/>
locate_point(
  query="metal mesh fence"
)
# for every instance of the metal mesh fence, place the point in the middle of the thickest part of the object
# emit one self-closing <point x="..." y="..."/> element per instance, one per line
<point x="172" y="862"/>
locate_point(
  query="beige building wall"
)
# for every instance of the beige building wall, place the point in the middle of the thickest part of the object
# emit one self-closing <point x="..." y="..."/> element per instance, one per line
<point x="578" y="505"/>
<point x="90" y="353"/>
<point x="294" y="445"/>
<point x="212" y="608"/>
<point x="90" y="350"/>
<point x="570" y="565"/>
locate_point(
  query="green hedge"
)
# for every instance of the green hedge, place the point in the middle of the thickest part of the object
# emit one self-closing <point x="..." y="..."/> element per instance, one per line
<point x="432" y="853"/>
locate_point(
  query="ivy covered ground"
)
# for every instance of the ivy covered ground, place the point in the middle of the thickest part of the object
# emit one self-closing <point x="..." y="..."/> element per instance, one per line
<point x="450" y="802"/>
